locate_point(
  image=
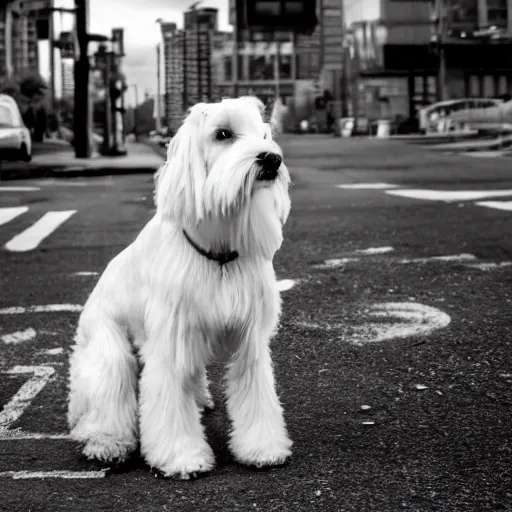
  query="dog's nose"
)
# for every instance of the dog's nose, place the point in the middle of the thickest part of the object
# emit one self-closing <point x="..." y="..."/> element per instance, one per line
<point x="270" y="163"/>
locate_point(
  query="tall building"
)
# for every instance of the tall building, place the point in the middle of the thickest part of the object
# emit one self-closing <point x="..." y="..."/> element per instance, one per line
<point x="19" y="35"/>
<point x="187" y="58"/>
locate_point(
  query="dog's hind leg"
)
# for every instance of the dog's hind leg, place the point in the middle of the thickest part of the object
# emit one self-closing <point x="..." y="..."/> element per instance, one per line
<point x="102" y="410"/>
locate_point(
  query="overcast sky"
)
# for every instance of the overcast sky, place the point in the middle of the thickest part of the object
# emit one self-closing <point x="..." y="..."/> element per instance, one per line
<point x="141" y="32"/>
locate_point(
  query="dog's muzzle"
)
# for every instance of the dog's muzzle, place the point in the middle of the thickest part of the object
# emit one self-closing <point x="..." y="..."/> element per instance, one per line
<point x="270" y="163"/>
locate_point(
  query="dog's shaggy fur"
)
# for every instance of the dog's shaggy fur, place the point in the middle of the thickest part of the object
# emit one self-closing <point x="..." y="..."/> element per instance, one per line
<point x="165" y="305"/>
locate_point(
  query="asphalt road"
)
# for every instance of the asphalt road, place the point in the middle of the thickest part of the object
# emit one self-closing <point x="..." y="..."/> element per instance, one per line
<point x="393" y="360"/>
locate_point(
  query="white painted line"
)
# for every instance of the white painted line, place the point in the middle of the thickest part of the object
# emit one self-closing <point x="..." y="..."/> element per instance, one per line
<point x="28" y="391"/>
<point x="489" y="265"/>
<point x="30" y="238"/>
<point x="335" y="263"/>
<point x="86" y="273"/>
<point x="286" y="284"/>
<point x="23" y="475"/>
<point x="53" y="351"/>
<point x="367" y="186"/>
<point x="375" y="250"/>
<point x="19" y="189"/>
<point x="19" y="336"/>
<point x="7" y="214"/>
<point x="19" y="435"/>
<point x="48" y="308"/>
<point x="451" y="257"/>
<point x="498" y="205"/>
<point x="418" y="319"/>
<point x="448" y="195"/>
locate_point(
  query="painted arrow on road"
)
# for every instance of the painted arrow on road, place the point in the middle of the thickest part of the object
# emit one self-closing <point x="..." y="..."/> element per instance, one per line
<point x="387" y="321"/>
<point x="414" y="320"/>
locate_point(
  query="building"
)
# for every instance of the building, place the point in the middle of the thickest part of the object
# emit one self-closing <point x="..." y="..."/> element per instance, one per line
<point x="395" y="66"/>
<point x="19" y="26"/>
<point x="308" y="65"/>
<point x="188" y="62"/>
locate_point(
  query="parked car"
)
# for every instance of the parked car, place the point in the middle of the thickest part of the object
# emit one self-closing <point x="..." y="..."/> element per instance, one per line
<point x="455" y="115"/>
<point x="15" y="139"/>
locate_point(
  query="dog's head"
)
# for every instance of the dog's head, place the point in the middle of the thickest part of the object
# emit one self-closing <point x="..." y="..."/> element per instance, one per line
<point x="222" y="160"/>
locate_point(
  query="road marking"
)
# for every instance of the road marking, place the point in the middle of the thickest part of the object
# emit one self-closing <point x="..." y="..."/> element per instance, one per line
<point x="18" y="435"/>
<point x="53" y="351"/>
<point x="448" y="195"/>
<point x="30" y="238"/>
<point x="19" y="189"/>
<point x="48" y="308"/>
<point x="489" y="265"/>
<point x="23" y="475"/>
<point x="19" y="336"/>
<point x="415" y="319"/>
<point x="367" y="186"/>
<point x="27" y="392"/>
<point x="286" y="284"/>
<point x="498" y="205"/>
<point x="335" y="263"/>
<point x="451" y="257"/>
<point x="418" y="319"/>
<point x="7" y="214"/>
<point x="375" y="250"/>
<point x="86" y="273"/>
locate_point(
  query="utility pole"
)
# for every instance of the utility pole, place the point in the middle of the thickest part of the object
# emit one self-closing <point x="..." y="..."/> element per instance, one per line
<point x="441" y="38"/>
<point x="51" y="36"/>
<point x="158" y="125"/>
<point x="81" y="118"/>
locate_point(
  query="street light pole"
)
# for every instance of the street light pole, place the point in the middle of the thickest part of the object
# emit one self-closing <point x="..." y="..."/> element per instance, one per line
<point x="158" y="92"/>
<point x="81" y="118"/>
<point x="441" y="37"/>
<point x="135" y="116"/>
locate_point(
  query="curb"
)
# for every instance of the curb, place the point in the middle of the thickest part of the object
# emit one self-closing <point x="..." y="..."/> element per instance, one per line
<point x="71" y="172"/>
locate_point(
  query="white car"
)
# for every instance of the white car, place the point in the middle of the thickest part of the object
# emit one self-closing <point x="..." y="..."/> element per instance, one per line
<point x="15" y="139"/>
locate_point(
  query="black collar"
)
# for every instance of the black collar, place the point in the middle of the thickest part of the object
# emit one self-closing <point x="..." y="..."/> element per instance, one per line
<point x="222" y="258"/>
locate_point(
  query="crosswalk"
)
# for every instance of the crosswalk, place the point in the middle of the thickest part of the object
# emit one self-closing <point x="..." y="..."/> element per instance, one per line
<point x="31" y="237"/>
<point x="448" y="196"/>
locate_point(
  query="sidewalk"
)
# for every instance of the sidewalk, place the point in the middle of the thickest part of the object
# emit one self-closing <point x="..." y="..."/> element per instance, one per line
<point x="56" y="158"/>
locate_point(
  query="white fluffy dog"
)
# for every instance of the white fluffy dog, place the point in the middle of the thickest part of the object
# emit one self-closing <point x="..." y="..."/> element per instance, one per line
<point x="196" y="284"/>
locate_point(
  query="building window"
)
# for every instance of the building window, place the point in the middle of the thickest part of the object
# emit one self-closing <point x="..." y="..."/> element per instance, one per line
<point x="261" y="67"/>
<point x="228" y="71"/>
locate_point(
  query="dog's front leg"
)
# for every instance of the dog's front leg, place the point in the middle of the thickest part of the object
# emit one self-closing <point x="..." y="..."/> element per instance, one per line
<point x="171" y="435"/>
<point x="259" y="436"/>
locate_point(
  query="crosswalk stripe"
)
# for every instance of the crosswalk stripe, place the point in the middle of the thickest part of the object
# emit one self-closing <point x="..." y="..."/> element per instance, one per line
<point x="499" y="205"/>
<point x="35" y="234"/>
<point x="19" y="189"/>
<point x="7" y="214"/>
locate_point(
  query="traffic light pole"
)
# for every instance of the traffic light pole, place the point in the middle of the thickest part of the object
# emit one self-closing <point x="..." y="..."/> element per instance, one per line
<point x="107" y="135"/>
<point x="81" y="118"/>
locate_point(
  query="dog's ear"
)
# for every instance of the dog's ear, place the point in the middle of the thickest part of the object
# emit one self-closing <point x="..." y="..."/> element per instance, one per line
<point x="180" y="180"/>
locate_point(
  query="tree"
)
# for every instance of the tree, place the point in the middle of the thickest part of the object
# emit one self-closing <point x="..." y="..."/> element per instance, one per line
<point x="29" y="90"/>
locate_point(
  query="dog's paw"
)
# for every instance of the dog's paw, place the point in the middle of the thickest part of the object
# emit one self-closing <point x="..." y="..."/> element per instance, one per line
<point x="189" y="464"/>
<point x="263" y="453"/>
<point x="108" y="448"/>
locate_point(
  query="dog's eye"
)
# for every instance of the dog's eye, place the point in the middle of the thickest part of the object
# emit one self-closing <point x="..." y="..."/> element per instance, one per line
<point x="223" y="135"/>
